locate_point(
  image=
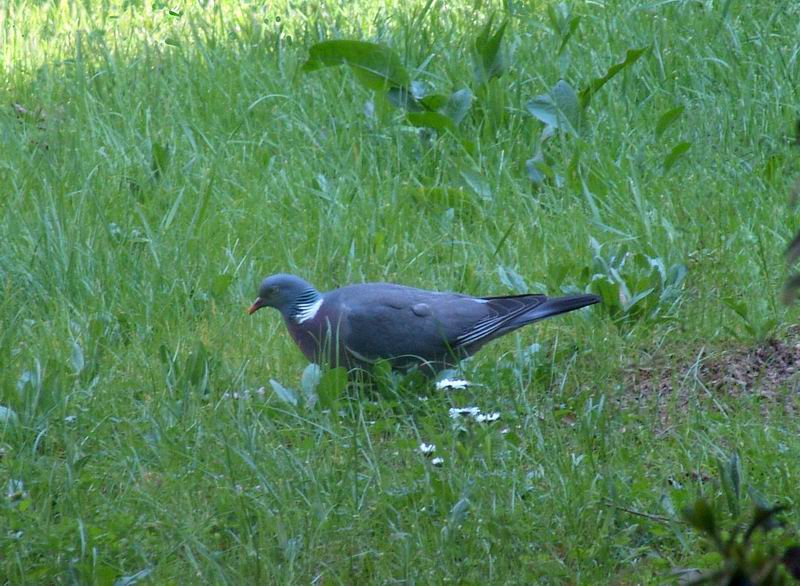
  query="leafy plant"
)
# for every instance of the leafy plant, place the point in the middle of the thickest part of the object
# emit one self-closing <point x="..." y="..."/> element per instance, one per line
<point x="752" y="316"/>
<point x="379" y="68"/>
<point x="634" y="285"/>
<point x="752" y="551"/>
<point x="489" y="59"/>
<point x="564" y="109"/>
<point x="376" y="66"/>
<point x="563" y="23"/>
<point x="318" y="386"/>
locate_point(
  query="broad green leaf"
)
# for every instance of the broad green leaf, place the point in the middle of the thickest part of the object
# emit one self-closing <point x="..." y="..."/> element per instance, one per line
<point x="434" y="102"/>
<point x="566" y="100"/>
<point x="666" y="120"/>
<point x="701" y="517"/>
<point x="402" y="98"/>
<point x="558" y="108"/>
<point x="573" y="26"/>
<point x="197" y="366"/>
<point x="434" y="120"/>
<point x="283" y="393"/>
<point x="331" y="385"/>
<point x="457" y="105"/>
<point x="562" y="23"/>
<point x="310" y="378"/>
<point x="631" y="56"/>
<point x="676" y="153"/>
<point x="638" y="297"/>
<point x="488" y="57"/>
<point x="375" y="65"/>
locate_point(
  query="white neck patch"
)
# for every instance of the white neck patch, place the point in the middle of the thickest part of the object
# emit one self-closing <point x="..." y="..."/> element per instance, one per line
<point x="306" y="311"/>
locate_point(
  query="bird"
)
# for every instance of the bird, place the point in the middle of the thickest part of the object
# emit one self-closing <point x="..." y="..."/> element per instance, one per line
<point x="359" y="325"/>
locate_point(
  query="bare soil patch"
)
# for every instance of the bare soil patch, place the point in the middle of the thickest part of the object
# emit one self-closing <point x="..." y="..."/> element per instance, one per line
<point x="768" y="370"/>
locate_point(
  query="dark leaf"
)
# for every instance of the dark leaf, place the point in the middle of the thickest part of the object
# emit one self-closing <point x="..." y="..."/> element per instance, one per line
<point x="457" y="105"/>
<point x="631" y="56"/>
<point x="735" y="474"/>
<point x="488" y="58"/>
<point x="402" y="98"/>
<point x="435" y="120"/>
<point x="331" y="385"/>
<point x="375" y="65"/>
<point x="666" y="120"/>
<point x="701" y="517"/>
<point x="434" y="102"/>
<point x="573" y="26"/>
<point x="676" y="153"/>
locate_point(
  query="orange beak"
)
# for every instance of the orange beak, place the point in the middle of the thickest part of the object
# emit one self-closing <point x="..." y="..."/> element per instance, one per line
<point x="257" y="304"/>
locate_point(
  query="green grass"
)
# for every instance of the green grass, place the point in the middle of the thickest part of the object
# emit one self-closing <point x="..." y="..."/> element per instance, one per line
<point x="165" y="163"/>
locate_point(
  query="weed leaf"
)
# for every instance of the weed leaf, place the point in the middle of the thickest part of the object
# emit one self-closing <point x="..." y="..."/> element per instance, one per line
<point x="558" y="108"/>
<point x="666" y="120"/>
<point x="488" y="58"/>
<point x="283" y="393"/>
<point x="435" y="120"/>
<point x="375" y="65"/>
<point x="331" y="385"/>
<point x="631" y="56"/>
<point x="676" y="153"/>
<point x="457" y="105"/>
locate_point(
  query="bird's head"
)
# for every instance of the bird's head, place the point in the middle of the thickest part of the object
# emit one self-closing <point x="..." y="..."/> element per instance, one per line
<point x="282" y="292"/>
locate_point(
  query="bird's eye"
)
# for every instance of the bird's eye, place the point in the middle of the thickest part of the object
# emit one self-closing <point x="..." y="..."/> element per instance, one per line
<point x="273" y="290"/>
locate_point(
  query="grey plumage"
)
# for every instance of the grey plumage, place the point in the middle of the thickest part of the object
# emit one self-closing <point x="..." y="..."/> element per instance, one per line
<point x="357" y="325"/>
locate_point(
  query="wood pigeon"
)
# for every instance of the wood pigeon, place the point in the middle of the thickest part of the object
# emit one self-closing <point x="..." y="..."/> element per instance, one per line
<point x="358" y="325"/>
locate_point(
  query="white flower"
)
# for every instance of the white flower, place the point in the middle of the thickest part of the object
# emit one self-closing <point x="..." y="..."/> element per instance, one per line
<point x="456" y="412"/>
<point x="452" y="384"/>
<point x="487" y="417"/>
<point x="437" y="461"/>
<point x="426" y="449"/>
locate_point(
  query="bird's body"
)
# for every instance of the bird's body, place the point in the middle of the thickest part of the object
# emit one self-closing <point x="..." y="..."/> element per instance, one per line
<point x="358" y="325"/>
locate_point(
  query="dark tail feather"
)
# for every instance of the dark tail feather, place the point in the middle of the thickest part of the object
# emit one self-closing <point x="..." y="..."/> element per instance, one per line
<point x="555" y="306"/>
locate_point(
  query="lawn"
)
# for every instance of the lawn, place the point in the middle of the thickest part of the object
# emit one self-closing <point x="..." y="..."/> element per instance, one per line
<point x="159" y="159"/>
